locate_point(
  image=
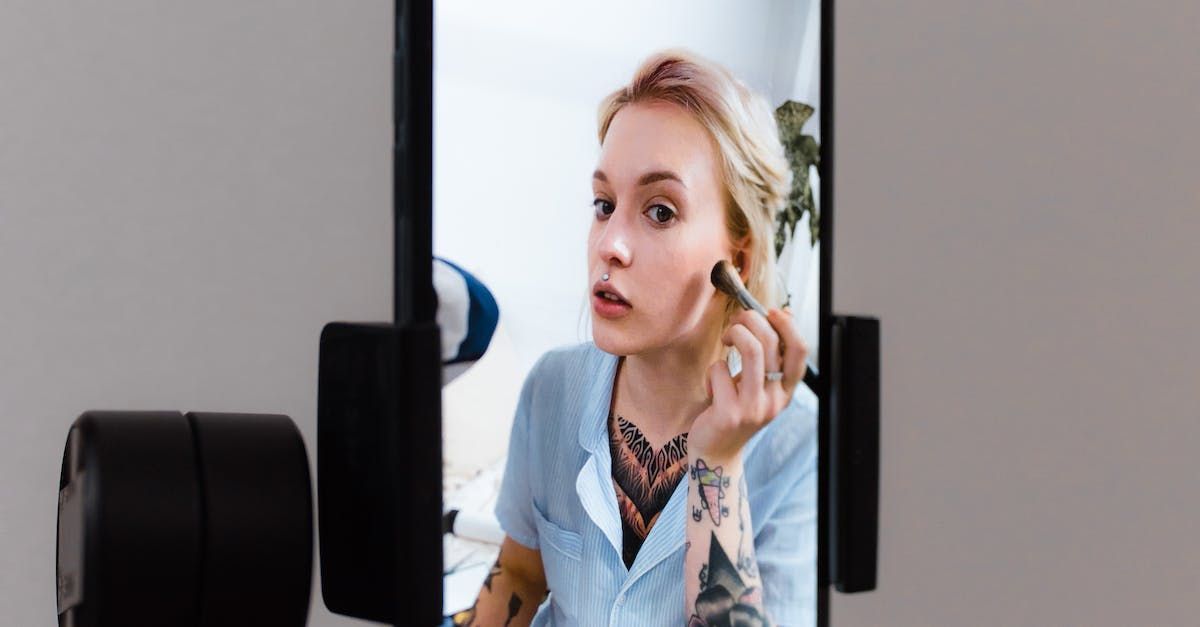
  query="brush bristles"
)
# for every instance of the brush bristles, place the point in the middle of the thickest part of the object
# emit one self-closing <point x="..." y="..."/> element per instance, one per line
<point x="726" y="279"/>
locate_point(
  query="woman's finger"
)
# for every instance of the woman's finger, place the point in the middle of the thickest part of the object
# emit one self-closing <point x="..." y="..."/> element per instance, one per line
<point x="724" y="390"/>
<point x="767" y="336"/>
<point x="775" y="396"/>
<point x="795" y="351"/>
<point x="750" y="387"/>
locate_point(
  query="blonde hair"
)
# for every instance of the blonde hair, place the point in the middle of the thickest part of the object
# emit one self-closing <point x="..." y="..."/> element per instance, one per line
<point x="754" y="167"/>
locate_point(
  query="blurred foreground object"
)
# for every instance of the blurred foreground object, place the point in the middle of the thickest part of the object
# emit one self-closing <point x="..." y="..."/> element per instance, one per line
<point x="201" y="520"/>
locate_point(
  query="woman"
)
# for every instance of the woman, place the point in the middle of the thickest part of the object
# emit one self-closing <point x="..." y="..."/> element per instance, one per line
<point x="645" y="484"/>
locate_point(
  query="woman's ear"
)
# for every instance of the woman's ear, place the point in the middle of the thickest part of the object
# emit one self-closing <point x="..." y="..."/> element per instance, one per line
<point x="740" y="256"/>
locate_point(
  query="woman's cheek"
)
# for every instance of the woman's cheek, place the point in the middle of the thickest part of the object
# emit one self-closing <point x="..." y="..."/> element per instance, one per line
<point x="685" y="301"/>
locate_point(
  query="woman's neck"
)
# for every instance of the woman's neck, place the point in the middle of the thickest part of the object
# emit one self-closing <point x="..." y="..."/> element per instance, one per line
<point x="666" y="387"/>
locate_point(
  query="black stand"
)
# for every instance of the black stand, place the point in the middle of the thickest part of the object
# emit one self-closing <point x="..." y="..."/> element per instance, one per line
<point x="379" y="449"/>
<point x="854" y="454"/>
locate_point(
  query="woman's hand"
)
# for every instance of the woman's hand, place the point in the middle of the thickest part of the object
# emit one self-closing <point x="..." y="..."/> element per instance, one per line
<point x="717" y="488"/>
<point x="742" y="405"/>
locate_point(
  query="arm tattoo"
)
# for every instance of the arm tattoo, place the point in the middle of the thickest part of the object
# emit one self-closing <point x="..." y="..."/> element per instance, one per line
<point x="712" y="492"/>
<point x="725" y="597"/>
<point x="466" y="618"/>
<point x="514" y="606"/>
<point x="745" y="558"/>
<point x="495" y="570"/>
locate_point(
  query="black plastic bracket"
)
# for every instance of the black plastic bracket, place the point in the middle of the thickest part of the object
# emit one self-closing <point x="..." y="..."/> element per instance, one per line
<point x="854" y="453"/>
<point x="379" y="469"/>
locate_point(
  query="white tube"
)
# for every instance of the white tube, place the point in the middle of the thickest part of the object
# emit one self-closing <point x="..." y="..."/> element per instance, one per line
<point x="478" y="527"/>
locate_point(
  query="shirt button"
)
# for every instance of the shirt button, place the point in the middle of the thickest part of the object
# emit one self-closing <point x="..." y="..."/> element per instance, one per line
<point x="621" y="599"/>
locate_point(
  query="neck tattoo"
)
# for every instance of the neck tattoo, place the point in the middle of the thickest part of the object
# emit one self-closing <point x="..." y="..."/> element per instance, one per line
<point x="644" y="479"/>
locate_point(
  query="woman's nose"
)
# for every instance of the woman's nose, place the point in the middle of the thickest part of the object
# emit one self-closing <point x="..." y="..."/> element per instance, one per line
<point x="613" y="245"/>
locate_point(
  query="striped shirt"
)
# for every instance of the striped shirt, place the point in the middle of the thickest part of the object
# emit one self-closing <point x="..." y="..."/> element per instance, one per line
<point x="557" y="496"/>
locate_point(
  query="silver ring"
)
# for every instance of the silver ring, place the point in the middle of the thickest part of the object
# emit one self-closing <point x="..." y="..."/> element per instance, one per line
<point x="605" y="276"/>
<point x="774" y="376"/>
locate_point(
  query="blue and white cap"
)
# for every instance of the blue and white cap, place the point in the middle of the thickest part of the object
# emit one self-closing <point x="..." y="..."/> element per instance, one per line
<point x="467" y="314"/>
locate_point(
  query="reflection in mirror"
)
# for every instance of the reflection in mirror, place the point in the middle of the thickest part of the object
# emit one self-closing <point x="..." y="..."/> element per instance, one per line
<point x="635" y="446"/>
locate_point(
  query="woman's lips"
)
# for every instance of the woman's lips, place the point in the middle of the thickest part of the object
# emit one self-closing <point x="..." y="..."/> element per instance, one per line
<point x="609" y="308"/>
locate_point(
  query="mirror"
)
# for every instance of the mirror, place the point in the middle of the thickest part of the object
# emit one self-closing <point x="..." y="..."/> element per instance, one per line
<point x="595" y="465"/>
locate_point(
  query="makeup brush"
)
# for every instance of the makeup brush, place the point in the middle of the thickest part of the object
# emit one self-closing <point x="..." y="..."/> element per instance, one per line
<point x="726" y="279"/>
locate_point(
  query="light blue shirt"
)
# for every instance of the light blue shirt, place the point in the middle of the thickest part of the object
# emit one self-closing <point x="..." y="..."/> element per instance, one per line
<point x="557" y="496"/>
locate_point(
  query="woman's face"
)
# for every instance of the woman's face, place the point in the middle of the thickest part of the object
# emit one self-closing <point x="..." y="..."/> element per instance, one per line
<point x="658" y="228"/>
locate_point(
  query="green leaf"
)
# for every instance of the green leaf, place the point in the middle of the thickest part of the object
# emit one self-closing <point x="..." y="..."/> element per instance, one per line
<point x="802" y="152"/>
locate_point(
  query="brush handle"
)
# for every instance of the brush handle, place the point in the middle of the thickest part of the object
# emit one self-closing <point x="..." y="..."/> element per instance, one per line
<point x="810" y="377"/>
<point x="749" y="302"/>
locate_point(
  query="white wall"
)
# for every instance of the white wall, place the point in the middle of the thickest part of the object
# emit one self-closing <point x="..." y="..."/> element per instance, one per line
<point x="517" y="91"/>
<point x="188" y="192"/>
<point x="1018" y="202"/>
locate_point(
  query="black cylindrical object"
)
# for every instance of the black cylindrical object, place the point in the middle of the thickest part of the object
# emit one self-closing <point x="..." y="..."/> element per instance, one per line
<point x="128" y="521"/>
<point x="188" y="520"/>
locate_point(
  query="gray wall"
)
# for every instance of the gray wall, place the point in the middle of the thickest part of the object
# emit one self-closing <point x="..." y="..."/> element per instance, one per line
<point x="1018" y="202"/>
<point x="182" y="206"/>
<point x="188" y="192"/>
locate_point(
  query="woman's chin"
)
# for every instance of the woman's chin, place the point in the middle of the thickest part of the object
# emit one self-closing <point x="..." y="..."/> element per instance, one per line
<point x="612" y="341"/>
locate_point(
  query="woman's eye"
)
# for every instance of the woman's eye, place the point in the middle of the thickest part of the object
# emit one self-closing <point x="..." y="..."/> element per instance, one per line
<point x="603" y="207"/>
<point x="660" y="214"/>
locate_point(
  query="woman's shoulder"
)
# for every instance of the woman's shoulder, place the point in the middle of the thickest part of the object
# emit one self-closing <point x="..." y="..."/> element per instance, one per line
<point x="568" y="377"/>
<point x="563" y="388"/>
<point x="565" y="354"/>
<point x="568" y="365"/>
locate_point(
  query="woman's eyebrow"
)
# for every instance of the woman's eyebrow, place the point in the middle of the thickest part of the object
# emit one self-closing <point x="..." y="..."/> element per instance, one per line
<point x="647" y="178"/>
